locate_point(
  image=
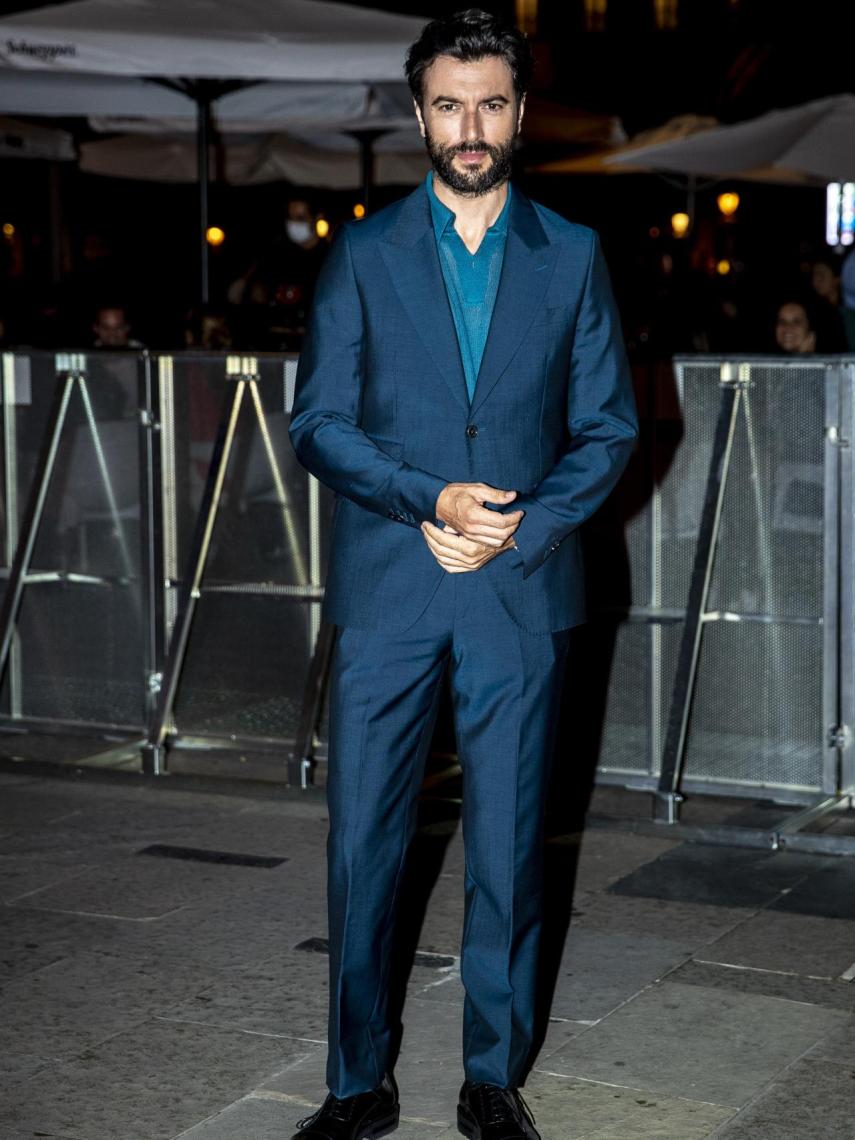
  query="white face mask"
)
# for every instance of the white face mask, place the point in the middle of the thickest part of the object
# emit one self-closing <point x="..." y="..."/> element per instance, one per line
<point x="298" y="230"/>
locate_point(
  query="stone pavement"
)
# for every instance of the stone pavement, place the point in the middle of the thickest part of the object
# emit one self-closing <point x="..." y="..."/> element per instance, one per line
<point x="164" y="974"/>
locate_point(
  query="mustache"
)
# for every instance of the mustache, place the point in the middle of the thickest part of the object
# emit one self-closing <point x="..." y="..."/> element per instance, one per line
<point x="477" y="147"/>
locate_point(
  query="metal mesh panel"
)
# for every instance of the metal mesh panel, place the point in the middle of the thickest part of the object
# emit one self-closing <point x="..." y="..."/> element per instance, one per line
<point x="80" y="643"/>
<point x="250" y="644"/>
<point x="757" y="713"/>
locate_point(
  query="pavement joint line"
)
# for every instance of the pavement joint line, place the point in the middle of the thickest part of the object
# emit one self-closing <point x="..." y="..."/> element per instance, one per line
<point x="777" y="973"/>
<point x="236" y="1029"/>
<point x="290" y="1098"/>
<point x="633" y="1088"/>
<point x="100" y="914"/>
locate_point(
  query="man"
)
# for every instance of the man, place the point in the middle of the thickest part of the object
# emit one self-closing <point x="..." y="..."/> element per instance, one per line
<point x="464" y="390"/>
<point x="111" y="329"/>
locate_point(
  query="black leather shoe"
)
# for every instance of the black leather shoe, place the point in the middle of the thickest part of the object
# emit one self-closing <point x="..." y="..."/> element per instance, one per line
<point x="365" y="1116"/>
<point x="489" y="1112"/>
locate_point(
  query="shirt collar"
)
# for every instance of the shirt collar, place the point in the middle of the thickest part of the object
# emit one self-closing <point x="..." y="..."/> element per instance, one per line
<point x="443" y="218"/>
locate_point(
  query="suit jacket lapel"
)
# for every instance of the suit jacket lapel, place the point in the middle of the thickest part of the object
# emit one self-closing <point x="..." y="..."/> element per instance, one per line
<point x="409" y="251"/>
<point x="527" y="269"/>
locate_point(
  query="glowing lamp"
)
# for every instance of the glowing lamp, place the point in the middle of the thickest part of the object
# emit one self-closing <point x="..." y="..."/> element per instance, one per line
<point x="8" y="229"/>
<point x="214" y="235"/>
<point x="359" y="210"/>
<point x="723" y="267"/>
<point x="728" y="203"/>
<point x="322" y="227"/>
<point x="680" y="224"/>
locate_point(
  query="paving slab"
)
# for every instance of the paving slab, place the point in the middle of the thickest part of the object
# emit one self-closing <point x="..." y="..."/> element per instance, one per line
<point x="148" y="1084"/>
<point x="21" y="876"/>
<point x="694" y="872"/>
<point x="674" y="921"/>
<point x="566" y="1108"/>
<point x="838" y="1045"/>
<point x="78" y="1001"/>
<point x="814" y="1098"/>
<point x="30" y="939"/>
<point x="288" y="998"/>
<point x="265" y="1116"/>
<point x="143" y="887"/>
<point x="607" y="856"/>
<point x="801" y="944"/>
<point x="703" y="1044"/>
<point x="599" y="971"/>
<point x="830" y="893"/>
<point x="831" y="993"/>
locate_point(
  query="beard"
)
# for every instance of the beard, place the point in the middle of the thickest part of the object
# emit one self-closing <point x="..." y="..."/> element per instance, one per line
<point x="471" y="183"/>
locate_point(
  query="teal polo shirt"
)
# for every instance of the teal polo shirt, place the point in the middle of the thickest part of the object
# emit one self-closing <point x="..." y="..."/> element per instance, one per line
<point x="471" y="279"/>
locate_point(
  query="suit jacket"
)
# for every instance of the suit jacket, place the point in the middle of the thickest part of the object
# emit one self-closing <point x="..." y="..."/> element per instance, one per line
<point x="382" y="416"/>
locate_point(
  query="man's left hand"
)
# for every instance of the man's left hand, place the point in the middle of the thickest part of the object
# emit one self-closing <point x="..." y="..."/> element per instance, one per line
<point x="457" y="554"/>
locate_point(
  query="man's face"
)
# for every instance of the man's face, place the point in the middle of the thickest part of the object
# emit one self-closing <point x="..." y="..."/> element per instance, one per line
<point x="468" y="119"/>
<point x="111" y="327"/>
<point x="792" y="330"/>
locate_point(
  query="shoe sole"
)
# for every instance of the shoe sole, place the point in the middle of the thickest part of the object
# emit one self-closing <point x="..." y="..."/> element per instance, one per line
<point x="382" y="1127"/>
<point x="467" y="1125"/>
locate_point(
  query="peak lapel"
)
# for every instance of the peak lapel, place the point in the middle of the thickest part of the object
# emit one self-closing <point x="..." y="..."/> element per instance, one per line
<point x="409" y="251"/>
<point x="527" y="269"/>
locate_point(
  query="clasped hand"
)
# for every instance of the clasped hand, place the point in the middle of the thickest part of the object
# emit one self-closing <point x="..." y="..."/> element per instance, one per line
<point x="472" y="534"/>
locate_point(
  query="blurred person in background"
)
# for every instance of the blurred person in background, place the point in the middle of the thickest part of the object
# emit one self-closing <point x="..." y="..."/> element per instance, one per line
<point x="826" y="298"/>
<point x="847" y="297"/>
<point x="111" y="328"/>
<point x="794" y="329"/>
<point x="208" y="328"/>
<point x="277" y="289"/>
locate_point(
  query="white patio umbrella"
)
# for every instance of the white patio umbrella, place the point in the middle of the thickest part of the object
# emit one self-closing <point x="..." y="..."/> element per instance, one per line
<point x="107" y="55"/>
<point x="811" y="143"/>
<point x="250" y="160"/>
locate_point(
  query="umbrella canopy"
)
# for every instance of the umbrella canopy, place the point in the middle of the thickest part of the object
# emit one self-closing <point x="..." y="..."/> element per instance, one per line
<point x="600" y="162"/>
<point x="29" y="140"/>
<point x="810" y="143"/>
<point x="210" y="39"/>
<point x="251" y="160"/>
<point x="170" y="54"/>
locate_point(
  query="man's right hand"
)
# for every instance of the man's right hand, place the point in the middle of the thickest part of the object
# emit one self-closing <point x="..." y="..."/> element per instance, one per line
<point x="460" y="505"/>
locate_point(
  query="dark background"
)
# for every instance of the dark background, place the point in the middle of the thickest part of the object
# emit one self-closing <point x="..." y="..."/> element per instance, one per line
<point x="728" y="58"/>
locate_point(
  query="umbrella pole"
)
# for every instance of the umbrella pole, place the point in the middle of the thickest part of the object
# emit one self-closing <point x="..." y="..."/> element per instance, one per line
<point x="366" y="140"/>
<point x="203" y="130"/>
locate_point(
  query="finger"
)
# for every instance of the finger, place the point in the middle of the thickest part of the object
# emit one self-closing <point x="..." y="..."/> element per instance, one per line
<point x="454" y="544"/>
<point x="485" y="493"/>
<point x="481" y="516"/>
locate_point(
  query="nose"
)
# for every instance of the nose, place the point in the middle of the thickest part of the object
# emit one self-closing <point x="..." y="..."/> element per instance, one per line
<point x="472" y="125"/>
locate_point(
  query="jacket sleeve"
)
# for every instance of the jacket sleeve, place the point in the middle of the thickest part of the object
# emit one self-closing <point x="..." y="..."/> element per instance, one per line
<point x="601" y="421"/>
<point x="325" y="428"/>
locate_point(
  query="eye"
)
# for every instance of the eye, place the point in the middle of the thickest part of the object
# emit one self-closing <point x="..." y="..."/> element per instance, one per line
<point x="446" y="107"/>
<point x="494" y="107"/>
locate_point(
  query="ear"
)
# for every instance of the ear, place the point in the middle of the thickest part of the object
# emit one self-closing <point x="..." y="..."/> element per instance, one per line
<point x="520" y="113"/>
<point x="420" y="118"/>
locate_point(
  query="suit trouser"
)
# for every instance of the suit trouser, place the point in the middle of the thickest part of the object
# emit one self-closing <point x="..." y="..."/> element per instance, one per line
<point x="384" y="695"/>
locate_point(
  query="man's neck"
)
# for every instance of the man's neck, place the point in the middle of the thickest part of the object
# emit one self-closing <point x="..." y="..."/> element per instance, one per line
<point x="473" y="216"/>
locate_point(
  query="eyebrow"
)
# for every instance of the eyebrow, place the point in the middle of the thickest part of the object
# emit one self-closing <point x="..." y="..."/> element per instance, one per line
<point x="452" y="99"/>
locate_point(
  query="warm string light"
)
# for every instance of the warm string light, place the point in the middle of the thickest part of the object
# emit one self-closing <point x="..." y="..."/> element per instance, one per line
<point x="359" y="210"/>
<point x="322" y="227"/>
<point x="215" y="236"/>
<point x="728" y="203"/>
<point x="8" y="229"/>
<point x="680" y="223"/>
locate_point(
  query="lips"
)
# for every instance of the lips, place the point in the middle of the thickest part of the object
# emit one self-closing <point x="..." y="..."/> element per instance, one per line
<point x="471" y="157"/>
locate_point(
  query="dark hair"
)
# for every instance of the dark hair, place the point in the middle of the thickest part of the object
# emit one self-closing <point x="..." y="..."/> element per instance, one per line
<point x="468" y="36"/>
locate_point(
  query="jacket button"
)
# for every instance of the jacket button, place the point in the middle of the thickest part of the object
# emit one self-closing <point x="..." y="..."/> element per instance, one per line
<point x="471" y="431"/>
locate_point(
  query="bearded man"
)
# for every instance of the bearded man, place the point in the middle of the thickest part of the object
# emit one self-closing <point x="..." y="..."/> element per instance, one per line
<point x="464" y="391"/>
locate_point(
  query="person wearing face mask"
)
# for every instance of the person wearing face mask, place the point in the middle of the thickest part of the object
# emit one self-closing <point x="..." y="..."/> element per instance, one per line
<point x="278" y="287"/>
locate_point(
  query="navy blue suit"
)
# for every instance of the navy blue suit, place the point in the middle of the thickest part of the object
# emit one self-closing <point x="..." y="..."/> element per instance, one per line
<point x="382" y="416"/>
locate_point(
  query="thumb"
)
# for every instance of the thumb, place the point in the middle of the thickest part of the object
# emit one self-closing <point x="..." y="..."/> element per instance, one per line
<point x="494" y="495"/>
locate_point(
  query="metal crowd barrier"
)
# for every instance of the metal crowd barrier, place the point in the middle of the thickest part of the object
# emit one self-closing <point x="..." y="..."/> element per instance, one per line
<point x="165" y="554"/>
